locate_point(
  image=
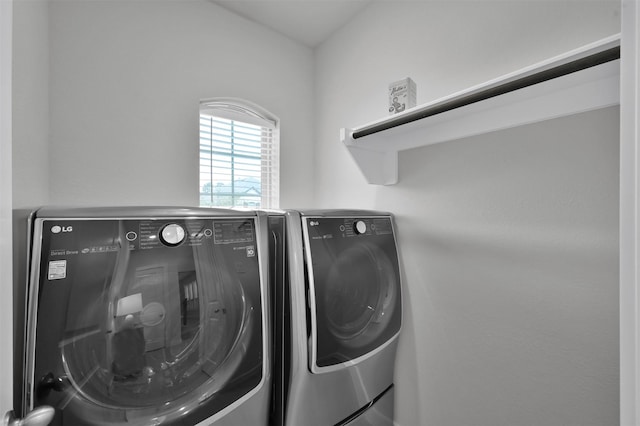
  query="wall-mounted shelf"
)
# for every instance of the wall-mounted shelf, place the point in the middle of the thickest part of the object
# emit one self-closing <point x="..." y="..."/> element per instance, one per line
<point x="582" y="80"/>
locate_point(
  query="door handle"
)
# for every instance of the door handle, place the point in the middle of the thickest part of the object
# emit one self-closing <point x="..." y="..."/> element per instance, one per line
<point x="41" y="416"/>
<point x="49" y="382"/>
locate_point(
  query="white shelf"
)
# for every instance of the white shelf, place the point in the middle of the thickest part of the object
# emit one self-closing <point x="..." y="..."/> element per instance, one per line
<point x="589" y="89"/>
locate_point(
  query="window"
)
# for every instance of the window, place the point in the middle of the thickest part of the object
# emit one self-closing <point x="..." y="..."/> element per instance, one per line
<point x="239" y="155"/>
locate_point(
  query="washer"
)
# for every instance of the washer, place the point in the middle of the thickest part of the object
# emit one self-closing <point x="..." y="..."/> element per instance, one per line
<point x="338" y="304"/>
<point x="148" y="316"/>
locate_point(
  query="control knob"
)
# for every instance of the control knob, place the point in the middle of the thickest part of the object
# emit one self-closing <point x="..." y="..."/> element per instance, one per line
<point x="172" y="234"/>
<point x="360" y="227"/>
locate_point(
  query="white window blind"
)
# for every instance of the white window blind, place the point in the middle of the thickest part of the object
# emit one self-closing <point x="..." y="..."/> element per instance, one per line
<point x="239" y="155"/>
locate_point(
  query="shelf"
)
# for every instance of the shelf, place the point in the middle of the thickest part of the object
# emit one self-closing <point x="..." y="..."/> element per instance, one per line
<point x="582" y="80"/>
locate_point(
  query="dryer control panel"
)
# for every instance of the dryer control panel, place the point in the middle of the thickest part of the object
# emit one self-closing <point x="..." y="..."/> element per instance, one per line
<point x="320" y="228"/>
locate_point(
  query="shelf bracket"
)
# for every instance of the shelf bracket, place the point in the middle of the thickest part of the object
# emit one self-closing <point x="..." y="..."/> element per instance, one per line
<point x="379" y="167"/>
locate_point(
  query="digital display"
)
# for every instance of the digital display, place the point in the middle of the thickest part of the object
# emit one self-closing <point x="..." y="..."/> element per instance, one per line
<point x="233" y="231"/>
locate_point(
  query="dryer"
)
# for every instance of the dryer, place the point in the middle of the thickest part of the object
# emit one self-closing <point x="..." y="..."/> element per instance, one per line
<point x="147" y="316"/>
<point x="338" y="311"/>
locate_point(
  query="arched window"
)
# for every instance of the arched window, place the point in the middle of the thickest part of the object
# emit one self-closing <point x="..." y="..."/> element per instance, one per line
<point x="239" y="155"/>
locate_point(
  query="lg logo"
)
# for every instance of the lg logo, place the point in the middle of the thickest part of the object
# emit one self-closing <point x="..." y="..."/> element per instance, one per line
<point x="58" y="229"/>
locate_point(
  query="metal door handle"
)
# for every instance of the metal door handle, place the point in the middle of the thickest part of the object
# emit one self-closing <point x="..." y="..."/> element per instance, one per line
<point x="41" y="416"/>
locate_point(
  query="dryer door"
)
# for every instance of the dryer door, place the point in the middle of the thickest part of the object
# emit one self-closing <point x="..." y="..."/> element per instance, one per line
<point x="144" y="321"/>
<point x="354" y="285"/>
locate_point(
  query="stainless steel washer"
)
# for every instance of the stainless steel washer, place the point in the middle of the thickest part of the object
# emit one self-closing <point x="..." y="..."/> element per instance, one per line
<point x="141" y="316"/>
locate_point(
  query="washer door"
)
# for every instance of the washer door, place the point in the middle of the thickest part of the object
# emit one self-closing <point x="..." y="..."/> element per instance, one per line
<point x="133" y="329"/>
<point x="359" y="292"/>
<point x="355" y="280"/>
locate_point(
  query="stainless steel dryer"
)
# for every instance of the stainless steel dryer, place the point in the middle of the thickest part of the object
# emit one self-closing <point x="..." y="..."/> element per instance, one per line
<point x="148" y="316"/>
<point x="338" y="316"/>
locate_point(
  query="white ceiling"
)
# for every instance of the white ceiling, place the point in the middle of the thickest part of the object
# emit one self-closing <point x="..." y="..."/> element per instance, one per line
<point x="308" y="21"/>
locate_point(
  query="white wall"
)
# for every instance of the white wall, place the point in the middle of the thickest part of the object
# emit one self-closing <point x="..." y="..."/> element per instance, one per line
<point x="6" y="352"/>
<point x="509" y="241"/>
<point x="512" y="268"/>
<point x="629" y="214"/>
<point x="31" y="103"/>
<point x="125" y="81"/>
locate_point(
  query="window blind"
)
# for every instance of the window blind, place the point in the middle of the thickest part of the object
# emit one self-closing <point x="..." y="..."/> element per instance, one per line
<point x="239" y="156"/>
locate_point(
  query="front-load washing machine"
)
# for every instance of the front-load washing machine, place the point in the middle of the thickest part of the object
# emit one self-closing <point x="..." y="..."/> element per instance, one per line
<point x="338" y="310"/>
<point x="147" y="316"/>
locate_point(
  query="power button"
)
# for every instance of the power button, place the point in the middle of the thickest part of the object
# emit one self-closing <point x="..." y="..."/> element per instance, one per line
<point x="360" y="227"/>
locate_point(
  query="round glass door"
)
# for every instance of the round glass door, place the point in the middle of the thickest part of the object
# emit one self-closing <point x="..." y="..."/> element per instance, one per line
<point x="146" y="332"/>
<point x="354" y="274"/>
<point x="358" y="294"/>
